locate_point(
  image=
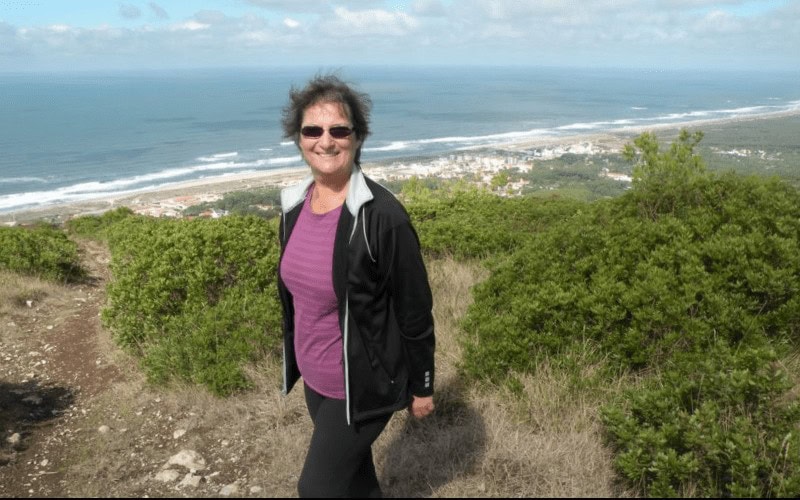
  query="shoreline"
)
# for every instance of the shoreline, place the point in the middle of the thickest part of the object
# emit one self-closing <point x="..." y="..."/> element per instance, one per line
<point x="180" y="195"/>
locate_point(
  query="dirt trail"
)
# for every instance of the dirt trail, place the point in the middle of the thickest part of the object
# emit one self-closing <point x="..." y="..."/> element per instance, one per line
<point x="52" y="367"/>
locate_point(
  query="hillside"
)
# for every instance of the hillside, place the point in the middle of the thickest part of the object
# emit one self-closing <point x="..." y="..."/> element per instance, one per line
<point x="90" y="425"/>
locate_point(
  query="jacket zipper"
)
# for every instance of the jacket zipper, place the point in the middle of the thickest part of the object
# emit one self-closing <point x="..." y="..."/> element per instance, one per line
<point x="347" y="326"/>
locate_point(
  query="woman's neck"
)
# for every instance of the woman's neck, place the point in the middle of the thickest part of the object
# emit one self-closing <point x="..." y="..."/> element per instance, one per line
<point x="328" y="195"/>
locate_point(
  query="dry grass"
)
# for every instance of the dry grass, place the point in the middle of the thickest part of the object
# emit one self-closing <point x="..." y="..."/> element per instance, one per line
<point x="489" y="442"/>
<point x="480" y="442"/>
<point x="17" y="290"/>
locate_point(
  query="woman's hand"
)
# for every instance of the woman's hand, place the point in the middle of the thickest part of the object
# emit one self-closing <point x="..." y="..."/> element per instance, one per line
<point x="421" y="407"/>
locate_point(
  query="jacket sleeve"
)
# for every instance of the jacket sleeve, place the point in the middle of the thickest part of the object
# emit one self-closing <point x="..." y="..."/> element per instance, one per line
<point x="412" y="303"/>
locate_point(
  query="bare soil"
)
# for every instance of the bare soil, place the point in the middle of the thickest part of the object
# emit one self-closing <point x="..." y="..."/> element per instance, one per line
<point x="52" y="368"/>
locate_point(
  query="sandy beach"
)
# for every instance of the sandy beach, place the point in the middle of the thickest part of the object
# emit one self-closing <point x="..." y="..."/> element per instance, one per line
<point x="172" y="199"/>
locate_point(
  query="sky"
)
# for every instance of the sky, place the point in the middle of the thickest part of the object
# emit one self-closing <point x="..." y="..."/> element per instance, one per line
<point x="57" y="35"/>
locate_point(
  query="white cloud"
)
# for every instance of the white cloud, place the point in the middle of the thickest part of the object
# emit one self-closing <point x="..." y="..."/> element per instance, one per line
<point x="370" y="22"/>
<point x="291" y="23"/>
<point x="191" y="25"/>
<point x="433" y="8"/>
<point x="719" y="21"/>
<point x="59" y="28"/>
<point x="699" y="33"/>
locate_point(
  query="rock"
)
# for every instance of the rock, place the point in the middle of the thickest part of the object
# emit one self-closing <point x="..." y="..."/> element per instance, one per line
<point x="15" y="439"/>
<point x="190" y="481"/>
<point x="228" y="490"/>
<point x="103" y="429"/>
<point x="187" y="458"/>
<point x="178" y="433"/>
<point x="32" y="399"/>
<point x="255" y="490"/>
<point x="167" y="476"/>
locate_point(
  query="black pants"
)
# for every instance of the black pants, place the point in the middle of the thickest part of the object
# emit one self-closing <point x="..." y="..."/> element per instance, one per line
<point x="339" y="461"/>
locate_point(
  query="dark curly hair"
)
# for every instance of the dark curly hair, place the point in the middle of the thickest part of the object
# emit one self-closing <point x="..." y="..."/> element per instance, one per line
<point x="327" y="88"/>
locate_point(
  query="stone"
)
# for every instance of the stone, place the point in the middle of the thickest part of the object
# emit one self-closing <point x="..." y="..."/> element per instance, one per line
<point x="228" y="490"/>
<point x="190" y="481"/>
<point x="167" y="475"/>
<point x="189" y="459"/>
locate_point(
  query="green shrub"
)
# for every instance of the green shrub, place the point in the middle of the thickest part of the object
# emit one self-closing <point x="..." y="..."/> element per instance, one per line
<point x="261" y="202"/>
<point x="469" y="223"/>
<point x="690" y="276"/>
<point x="196" y="299"/>
<point x="95" y="226"/>
<point x="715" y="425"/>
<point x="644" y="287"/>
<point x="42" y="251"/>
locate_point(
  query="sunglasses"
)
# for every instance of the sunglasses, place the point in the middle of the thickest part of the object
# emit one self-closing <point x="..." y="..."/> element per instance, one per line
<point x="315" y="132"/>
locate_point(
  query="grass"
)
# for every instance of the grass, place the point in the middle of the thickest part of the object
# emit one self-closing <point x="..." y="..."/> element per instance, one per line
<point x="481" y="441"/>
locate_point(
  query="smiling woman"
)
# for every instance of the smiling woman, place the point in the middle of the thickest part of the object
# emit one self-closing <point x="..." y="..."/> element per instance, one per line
<point x="356" y="302"/>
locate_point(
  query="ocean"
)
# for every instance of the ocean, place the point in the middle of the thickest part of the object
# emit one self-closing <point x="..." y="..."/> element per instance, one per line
<point x="76" y="136"/>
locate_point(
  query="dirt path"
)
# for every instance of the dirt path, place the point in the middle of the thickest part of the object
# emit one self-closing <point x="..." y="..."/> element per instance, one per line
<point x="52" y="368"/>
<point x="78" y="419"/>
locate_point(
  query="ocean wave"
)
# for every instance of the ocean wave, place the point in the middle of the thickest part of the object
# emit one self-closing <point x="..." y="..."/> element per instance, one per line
<point x="577" y="127"/>
<point x="393" y="146"/>
<point x="286" y="160"/>
<point x="218" y="156"/>
<point x="84" y="191"/>
<point x="21" y="180"/>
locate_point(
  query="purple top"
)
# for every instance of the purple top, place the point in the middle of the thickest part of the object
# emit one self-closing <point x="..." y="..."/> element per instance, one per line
<point x="307" y="271"/>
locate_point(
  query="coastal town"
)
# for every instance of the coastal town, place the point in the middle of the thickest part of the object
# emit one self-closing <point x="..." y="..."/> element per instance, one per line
<point x="479" y="167"/>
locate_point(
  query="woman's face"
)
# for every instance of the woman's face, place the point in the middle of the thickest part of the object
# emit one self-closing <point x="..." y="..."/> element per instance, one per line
<point x="329" y="158"/>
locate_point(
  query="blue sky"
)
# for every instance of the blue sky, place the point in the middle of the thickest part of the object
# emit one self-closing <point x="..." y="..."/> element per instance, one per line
<point x="40" y="35"/>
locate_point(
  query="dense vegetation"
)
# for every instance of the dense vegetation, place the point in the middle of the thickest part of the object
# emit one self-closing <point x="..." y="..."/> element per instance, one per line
<point x="469" y="223"/>
<point x="96" y="226"/>
<point x="196" y="299"/>
<point x="690" y="279"/>
<point x="43" y="251"/>
<point x="262" y="203"/>
<point x="686" y="286"/>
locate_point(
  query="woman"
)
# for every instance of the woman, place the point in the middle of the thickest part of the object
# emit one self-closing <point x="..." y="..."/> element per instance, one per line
<point x="356" y="301"/>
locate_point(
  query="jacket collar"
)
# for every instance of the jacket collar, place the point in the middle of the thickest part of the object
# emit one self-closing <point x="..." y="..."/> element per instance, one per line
<point x="358" y="192"/>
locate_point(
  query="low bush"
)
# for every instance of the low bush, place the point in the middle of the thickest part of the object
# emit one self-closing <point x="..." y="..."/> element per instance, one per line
<point x="196" y="299"/>
<point x="261" y="202"/>
<point x="716" y="424"/>
<point x="690" y="280"/>
<point x="470" y="223"/>
<point x="43" y="251"/>
<point x="95" y="226"/>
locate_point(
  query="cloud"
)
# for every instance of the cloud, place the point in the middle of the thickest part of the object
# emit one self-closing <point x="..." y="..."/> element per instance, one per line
<point x="291" y="23"/>
<point x="292" y="5"/>
<point x="129" y="11"/>
<point x="431" y="8"/>
<point x="190" y="25"/>
<point x="369" y="22"/>
<point x="695" y="33"/>
<point x="158" y="10"/>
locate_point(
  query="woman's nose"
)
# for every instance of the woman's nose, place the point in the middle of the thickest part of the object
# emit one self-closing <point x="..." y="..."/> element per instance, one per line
<point x="326" y="140"/>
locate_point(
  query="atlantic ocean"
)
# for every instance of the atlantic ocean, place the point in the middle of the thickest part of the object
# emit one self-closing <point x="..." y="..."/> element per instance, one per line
<point x="72" y="136"/>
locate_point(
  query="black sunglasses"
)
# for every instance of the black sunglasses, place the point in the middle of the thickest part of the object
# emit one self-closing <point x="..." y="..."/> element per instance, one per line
<point x="315" y="132"/>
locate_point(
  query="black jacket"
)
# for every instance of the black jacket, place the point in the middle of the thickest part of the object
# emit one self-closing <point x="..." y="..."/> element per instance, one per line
<point x="384" y="300"/>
